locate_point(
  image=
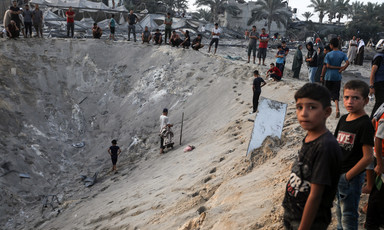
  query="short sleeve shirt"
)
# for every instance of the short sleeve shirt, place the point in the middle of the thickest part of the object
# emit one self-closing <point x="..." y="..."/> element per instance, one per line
<point x="263" y="43"/>
<point x="37" y="15"/>
<point x="27" y="15"/>
<point x="280" y="60"/>
<point x="113" y="22"/>
<point x="253" y="41"/>
<point x="276" y="70"/>
<point x="168" y="20"/>
<point x="132" y="19"/>
<point x="257" y="84"/>
<point x="114" y="150"/>
<point x="70" y="13"/>
<point x="164" y="120"/>
<point x="318" y="162"/>
<point x="15" y="17"/>
<point x="351" y="136"/>
<point x="216" y="31"/>
<point x="334" y="58"/>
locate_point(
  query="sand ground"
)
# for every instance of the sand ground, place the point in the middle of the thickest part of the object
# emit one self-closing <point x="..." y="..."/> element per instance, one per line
<point x="92" y="91"/>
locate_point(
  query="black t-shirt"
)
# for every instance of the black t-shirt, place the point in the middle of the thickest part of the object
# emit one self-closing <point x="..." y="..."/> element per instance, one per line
<point x="15" y="17"/>
<point x="157" y="36"/>
<point x="286" y="49"/>
<point x="318" y="163"/>
<point x="257" y="84"/>
<point x="352" y="135"/>
<point x="132" y="19"/>
<point x="114" y="150"/>
<point x="196" y="40"/>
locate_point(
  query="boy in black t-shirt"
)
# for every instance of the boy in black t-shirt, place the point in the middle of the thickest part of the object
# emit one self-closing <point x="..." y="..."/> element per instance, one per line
<point x="313" y="182"/>
<point x="114" y="151"/>
<point x="354" y="133"/>
<point x="258" y="82"/>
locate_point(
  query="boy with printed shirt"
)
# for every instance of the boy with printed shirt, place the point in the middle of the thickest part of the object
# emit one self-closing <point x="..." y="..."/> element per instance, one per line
<point x="312" y="184"/>
<point x="354" y="133"/>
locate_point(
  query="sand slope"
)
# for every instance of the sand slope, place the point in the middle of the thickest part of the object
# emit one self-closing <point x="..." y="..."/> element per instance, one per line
<point x="71" y="91"/>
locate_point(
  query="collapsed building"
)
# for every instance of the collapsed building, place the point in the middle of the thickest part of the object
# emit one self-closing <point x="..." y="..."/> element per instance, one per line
<point x="240" y="21"/>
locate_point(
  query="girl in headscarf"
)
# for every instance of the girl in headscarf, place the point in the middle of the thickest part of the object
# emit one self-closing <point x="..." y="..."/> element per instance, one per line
<point x="297" y="62"/>
<point x="320" y="63"/>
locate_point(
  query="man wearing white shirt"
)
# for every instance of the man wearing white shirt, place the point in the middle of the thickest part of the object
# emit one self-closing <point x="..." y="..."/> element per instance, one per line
<point x="215" y="37"/>
<point x="164" y="122"/>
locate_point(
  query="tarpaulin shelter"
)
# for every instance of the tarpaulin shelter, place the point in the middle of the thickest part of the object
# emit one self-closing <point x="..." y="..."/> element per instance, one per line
<point x="82" y="5"/>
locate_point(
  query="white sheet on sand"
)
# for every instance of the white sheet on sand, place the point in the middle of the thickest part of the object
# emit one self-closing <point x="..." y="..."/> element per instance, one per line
<point x="269" y="122"/>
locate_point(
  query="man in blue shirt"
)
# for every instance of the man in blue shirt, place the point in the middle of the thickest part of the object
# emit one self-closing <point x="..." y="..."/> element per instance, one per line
<point x="332" y="71"/>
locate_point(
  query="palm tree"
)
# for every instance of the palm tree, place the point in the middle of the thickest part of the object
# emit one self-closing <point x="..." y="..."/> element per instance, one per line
<point x="331" y="9"/>
<point x="307" y="15"/>
<point x="218" y="7"/>
<point x="355" y="8"/>
<point x="368" y="22"/>
<point x="202" y="14"/>
<point x="272" y="11"/>
<point x="319" y="6"/>
<point x="342" y="9"/>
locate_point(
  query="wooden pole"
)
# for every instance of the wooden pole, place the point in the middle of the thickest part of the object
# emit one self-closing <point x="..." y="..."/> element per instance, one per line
<point x="181" y="131"/>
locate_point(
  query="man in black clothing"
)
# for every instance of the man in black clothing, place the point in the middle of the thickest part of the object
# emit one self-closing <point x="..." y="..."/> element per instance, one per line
<point x="196" y="43"/>
<point x="15" y="11"/>
<point x="132" y="20"/>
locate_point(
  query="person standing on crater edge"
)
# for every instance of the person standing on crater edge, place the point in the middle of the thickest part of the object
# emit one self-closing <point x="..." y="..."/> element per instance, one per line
<point x="253" y="36"/>
<point x="132" y="20"/>
<point x="215" y="37"/>
<point x="263" y="45"/>
<point x="70" y="21"/>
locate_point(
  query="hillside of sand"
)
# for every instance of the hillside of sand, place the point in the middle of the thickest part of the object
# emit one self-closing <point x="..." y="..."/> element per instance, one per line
<point x="63" y="101"/>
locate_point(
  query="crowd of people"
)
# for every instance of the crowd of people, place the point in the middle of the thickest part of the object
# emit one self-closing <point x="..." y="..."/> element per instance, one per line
<point x="17" y="20"/>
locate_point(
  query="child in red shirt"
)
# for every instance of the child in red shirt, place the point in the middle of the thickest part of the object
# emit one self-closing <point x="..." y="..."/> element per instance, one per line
<point x="274" y="72"/>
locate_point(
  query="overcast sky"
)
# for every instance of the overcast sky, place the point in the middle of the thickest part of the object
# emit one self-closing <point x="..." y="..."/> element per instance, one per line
<point x="301" y="5"/>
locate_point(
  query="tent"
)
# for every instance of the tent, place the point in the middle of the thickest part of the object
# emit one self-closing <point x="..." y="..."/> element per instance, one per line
<point x="82" y="5"/>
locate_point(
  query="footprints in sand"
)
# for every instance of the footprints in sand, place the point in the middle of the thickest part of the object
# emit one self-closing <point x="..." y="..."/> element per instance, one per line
<point x="237" y="94"/>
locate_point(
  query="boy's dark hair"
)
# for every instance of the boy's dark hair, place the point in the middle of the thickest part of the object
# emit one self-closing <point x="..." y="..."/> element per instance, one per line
<point x="279" y="46"/>
<point x="315" y="92"/>
<point x="334" y="42"/>
<point x="253" y="26"/>
<point x="263" y="28"/>
<point x="157" y="30"/>
<point x="112" y="16"/>
<point x="95" y="24"/>
<point x="272" y="64"/>
<point x="168" y="13"/>
<point x="283" y="42"/>
<point x="358" y="85"/>
<point x="328" y="48"/>
<point x="114" y="142"/>
<point x="256" y="72"/>
<point x="199" y="35"/>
